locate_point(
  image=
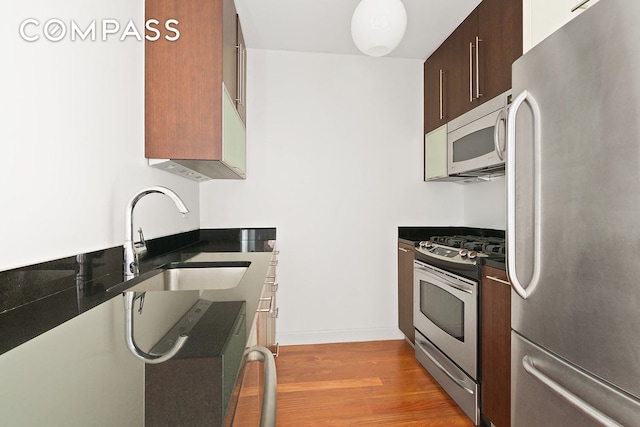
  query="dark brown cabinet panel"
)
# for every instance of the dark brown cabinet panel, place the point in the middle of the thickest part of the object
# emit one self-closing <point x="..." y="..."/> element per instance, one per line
<point x="435" y="73"/>
<point x="473" y="63"/>
<point x="500" y="32"/>
<point x="405" y="290"/>
<point x="496" y="346"/>
<point x="184" y="78"/>
<point x="460" y="57"/>
<point x="195" y="386"/>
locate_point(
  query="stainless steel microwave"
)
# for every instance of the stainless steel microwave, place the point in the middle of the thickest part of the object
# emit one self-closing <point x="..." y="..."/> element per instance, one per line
<point x="475" y="140"/>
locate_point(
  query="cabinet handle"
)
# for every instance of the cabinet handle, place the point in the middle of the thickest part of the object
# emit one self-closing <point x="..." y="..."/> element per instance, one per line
<point x="441" y="107"/>
<point x="579" y="5"/>
<point x="471" y="72"/>
<point x="240" y="91"/>
<point x="478" y="40"/>
<point x="403" y="249"/>
<point x="495" y="279"/>
<point x="268" y="309"/>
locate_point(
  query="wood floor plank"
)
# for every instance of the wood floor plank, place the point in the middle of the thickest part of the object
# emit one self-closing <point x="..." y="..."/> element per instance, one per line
<point x="377" y="383"/>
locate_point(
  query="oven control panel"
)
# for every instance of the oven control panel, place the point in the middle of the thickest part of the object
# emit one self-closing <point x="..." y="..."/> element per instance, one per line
<point x="457" y="255"/>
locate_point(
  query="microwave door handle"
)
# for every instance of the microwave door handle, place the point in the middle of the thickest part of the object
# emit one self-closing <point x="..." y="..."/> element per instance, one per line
<point x="501" y="118"/>
<point x="523" y="290"/>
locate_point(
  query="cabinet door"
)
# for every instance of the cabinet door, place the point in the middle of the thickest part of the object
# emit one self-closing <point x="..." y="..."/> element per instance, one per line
<point x="459" y="57"/>
<point x="496" y="346"/>
<point x="500" y="44"/>
<point x="435" y="154"/>
<point x="435" y="79"/>
<point x="241" y="63"/>
<point x="405" y="290"/>
<point x="229" y="50"/>
<point x="543" y="17"/>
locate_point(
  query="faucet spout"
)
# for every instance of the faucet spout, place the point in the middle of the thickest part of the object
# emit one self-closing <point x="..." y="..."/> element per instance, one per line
<point x="131" y="250"/>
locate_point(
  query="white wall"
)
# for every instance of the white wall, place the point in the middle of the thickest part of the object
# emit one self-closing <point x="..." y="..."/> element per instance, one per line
<point x="335" y="163"/>
<point x="485" y="204"/>
<point x="72" y="137"/>
<point x="72" y="144"/>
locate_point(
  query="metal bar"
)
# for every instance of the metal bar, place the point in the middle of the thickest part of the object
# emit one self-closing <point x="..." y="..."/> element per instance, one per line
<point x="478" y="40"/>
<point x="269" y="408"/>
<point x="522" y="290"/>
<point x="265" y="310"/>
<point x="496" y="132"/>
<point x="579" y="5"/>
<point x="529" y="367"/>
<point x="441" y="92"/>
<point x="129" y="298"/>
<point x="456" y="380"/>
<point x="495" y="279"/>
<point x="446" y="281"/>
<point x="471" y="72"/>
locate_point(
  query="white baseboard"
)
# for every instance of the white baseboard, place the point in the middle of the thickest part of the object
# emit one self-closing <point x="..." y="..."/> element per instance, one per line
<point x="351" y="335"/>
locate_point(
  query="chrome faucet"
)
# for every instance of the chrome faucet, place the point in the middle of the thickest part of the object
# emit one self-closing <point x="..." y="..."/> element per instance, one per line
<point x="133" y="251"/>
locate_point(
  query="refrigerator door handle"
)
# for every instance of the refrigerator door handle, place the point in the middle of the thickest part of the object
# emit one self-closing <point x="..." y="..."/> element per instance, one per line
<point x="529" y="367"/>
<point x="523" y="290"/>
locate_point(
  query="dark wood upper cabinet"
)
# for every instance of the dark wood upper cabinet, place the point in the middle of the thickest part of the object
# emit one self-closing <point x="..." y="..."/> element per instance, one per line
<point x="474" y="63"/>
<point x="500" y="32"/>
<point x="185" y="83"/>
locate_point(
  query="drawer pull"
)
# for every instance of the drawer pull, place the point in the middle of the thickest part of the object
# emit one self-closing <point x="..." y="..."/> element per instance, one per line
<point x="495" y="279"/>
<point x="263" y="309"/>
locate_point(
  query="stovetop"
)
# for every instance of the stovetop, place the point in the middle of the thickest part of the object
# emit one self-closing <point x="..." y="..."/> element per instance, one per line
<point x="460" y="252"/>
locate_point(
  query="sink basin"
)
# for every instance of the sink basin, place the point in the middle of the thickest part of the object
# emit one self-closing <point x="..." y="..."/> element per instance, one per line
<point x="194" y="276"/>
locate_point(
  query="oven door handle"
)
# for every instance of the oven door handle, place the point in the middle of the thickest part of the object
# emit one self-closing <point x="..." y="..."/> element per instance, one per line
<point x="453" y="378"/>
<point x="445" y="280"/>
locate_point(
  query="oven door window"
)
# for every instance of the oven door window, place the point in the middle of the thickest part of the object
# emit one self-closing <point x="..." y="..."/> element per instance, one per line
<point x="443" y="309"/>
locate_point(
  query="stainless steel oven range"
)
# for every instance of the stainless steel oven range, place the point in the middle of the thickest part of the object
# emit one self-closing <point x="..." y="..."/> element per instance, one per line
<point x="446" y="315"/>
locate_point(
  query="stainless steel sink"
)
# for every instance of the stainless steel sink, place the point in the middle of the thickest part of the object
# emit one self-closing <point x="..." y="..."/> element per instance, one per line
<point x="193" y="276"/>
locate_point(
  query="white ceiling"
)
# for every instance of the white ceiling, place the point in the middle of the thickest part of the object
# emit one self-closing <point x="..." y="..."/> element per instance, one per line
<point x="324" y="26"/>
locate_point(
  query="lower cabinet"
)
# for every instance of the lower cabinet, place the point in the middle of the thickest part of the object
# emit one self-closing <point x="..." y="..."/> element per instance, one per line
<point x="267" y="311"/>
<point x="195" y="387"/>
<point x="496" y="347"/>
<point x="405" y="290"/>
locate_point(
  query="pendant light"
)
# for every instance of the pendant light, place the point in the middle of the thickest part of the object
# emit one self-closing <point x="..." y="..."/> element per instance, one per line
<point x="377" y="26"/>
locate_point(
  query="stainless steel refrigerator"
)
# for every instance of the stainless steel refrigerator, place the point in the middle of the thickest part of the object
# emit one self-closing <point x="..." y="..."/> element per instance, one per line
<point x="573" y="223"/>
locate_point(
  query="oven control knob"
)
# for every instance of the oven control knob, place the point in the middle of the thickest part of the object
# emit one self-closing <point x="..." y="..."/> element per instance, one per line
<point x="473" y="254"/>
<point x="425" y="244"/>
<point x="464" y="252"/>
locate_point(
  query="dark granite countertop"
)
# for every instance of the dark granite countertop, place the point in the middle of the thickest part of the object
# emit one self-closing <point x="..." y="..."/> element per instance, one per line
<point x="37" y="298"/>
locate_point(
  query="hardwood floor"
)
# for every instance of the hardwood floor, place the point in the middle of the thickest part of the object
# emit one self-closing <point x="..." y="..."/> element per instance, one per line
<point x="376" y="383"/>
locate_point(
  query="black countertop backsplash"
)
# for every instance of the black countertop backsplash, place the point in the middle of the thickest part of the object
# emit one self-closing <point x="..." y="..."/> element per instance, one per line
<point x="37" y="298"/>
